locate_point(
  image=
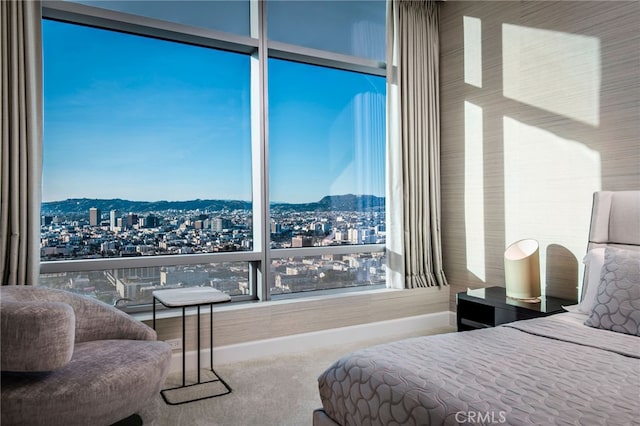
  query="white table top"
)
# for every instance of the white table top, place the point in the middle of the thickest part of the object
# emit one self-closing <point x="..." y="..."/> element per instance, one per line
<point x="190" y="296"/>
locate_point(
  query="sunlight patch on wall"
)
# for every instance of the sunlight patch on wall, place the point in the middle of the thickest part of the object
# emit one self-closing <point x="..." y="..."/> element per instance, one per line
<point x="548" y="185"/>
<point x="555" y="71"/>
<point x="474" y="189"/>
<point x="473" y="51"/>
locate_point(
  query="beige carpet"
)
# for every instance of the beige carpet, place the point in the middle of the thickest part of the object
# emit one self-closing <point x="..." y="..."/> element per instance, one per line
<point x="273" y="391"/>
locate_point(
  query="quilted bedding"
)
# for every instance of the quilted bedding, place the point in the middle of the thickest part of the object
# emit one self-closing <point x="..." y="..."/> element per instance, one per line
<point x="544" y="371"/>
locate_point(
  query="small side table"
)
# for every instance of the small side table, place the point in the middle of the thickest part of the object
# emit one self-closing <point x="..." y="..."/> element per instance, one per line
<point x="186" y="298"/>
<point x="489" y="307"/>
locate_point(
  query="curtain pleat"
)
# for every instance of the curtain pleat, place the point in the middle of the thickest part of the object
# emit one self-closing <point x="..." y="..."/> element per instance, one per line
<point x="21" y="149"/>
<point x="413" y="89"/>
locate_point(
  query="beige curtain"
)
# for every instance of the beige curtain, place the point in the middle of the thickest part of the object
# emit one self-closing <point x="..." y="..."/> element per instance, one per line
<point x="414" y="145"/>
<point x="21" y="151"/>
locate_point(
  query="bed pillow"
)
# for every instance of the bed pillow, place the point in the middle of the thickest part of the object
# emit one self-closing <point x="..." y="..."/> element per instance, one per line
<point x="617" y="303"/>
<point x="593" y="261"/>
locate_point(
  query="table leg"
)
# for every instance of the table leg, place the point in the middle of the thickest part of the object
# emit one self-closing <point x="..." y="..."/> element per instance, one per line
<point x="211" y="336"/>
<point x="198" y="351"/>
<point x="184" y="364"/>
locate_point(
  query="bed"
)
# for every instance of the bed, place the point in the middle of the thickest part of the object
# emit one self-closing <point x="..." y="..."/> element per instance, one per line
<point x="577" y="367"/>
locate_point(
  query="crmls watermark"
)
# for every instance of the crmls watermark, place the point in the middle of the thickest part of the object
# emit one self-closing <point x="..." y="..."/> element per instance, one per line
<point x="479" y="417"/>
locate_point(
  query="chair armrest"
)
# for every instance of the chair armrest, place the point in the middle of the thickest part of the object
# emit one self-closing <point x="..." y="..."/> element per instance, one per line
<point x="35" y="336"/>
<point x="98" y="321"/>
<point x="95" y="320"/>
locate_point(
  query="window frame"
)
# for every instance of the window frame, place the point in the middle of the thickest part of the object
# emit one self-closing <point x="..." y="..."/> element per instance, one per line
<point x="260" y="50"/>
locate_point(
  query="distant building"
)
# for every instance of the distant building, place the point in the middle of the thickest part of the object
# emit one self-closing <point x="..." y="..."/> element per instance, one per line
<point x="151" y="221"/>
<point x="113" y="219"/>
<point x="218" y="224"/>
<point x="108" y="246"/>
<point x="129" y="281"/>
<point x="369" y="236"/>
<point x="94" y="216"/>
<point x="79" y="282"/>
<point x="301" y="242"/>
<point x="321" y="227"/>
<point x="132" y="220"/>
<point x="128" y="250"/>
<point x="47" y="220"/>
<point x="354" y="235"/>
<point x="276" y="227"/>
<point x="145" y="249"/>
<point x="187" y="277"/>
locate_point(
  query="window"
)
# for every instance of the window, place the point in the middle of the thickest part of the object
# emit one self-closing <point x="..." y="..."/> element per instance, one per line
<point x="326" y="143"/>
<point x="326" y="138"/>
<point x="301" y="274"/>
<point x="125" y="285"/>
<point x="147" y="152"/>
<point x="147" y="146"/>
<point x="231" y="16"/>
<point x="153" y="165"/>
<point x="355" y="28"/>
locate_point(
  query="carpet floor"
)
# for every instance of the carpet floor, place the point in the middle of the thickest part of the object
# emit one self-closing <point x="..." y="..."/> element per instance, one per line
<point x="270" y="391"/>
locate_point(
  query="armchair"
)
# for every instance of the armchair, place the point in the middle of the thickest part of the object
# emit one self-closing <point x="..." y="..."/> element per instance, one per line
<point x="70" y="360"/>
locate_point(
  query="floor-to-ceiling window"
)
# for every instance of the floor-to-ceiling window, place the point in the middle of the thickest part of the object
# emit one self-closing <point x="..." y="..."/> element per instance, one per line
<point x="238" y="145"/>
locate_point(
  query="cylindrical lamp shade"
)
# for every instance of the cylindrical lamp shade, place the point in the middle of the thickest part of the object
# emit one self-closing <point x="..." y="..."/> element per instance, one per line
<point x="522" y="270"/>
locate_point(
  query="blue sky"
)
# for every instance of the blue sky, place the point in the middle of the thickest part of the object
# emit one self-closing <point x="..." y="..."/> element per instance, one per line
<point x="143" y="119"/>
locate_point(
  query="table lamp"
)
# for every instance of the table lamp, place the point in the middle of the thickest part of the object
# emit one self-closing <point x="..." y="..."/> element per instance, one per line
<point x="522" y="270"/>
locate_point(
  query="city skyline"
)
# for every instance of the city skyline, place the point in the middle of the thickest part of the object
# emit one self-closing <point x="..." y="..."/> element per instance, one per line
<point x="91" y="230"/>
<point x="336" y="196"/>
<point x="143" y="119"/>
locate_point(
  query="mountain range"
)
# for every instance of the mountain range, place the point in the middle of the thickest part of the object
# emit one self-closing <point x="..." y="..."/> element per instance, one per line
<point x="348" y="202"/>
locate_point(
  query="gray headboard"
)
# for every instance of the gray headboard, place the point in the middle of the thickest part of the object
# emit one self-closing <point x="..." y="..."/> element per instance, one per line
<point x="615" y="220"/>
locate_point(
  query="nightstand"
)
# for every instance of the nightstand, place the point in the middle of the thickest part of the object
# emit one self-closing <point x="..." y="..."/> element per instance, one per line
<point x="488" y="307"/>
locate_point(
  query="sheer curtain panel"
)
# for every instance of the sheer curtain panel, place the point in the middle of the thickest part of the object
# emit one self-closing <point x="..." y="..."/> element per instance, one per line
<point x="413" y="143"/>
<point x="21" y="151"/>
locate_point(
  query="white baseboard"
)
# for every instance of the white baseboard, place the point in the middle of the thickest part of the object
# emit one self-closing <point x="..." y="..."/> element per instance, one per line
<point x="308" y="341"/>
